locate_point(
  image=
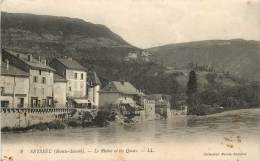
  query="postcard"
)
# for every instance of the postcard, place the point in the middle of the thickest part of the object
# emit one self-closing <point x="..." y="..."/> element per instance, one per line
<point x="130" y="80"/>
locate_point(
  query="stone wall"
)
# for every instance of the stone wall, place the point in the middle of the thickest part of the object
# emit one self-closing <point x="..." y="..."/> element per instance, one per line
<point x="15" y="118"/>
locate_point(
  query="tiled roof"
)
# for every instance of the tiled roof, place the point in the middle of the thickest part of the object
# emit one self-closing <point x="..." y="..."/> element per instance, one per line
<point x="71" y="64"/>
<point x="34" y="63"/>
<point x="93" y="78"/>
<point x="13" y="71"/>
<point x="58" y="78"/>
<point x="121" y="87"/>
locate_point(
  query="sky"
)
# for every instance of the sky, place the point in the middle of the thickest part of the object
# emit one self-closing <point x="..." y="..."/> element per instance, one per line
<point x="149" y="23"/>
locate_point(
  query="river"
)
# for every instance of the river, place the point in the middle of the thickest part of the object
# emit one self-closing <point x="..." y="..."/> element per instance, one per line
<point x="244" y="123"/>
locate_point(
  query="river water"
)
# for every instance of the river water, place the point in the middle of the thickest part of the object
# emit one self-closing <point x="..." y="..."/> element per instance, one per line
<point x="198" y="130"/>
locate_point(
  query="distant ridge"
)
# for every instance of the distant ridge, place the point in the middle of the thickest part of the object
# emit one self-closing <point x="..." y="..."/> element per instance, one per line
<point x="237" y="56"/>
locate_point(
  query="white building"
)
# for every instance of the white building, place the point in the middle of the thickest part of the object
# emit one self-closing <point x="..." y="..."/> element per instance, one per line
<point x="14" y="86"/>
<point x="93" y="88"/>
<point x="40" y="77"/>
<point x="76" y="77"/>
<point x="118" y="92"/>
<point x="59" y="91"/>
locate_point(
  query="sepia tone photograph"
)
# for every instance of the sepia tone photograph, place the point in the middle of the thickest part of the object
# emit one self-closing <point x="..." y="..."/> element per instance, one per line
<point x="130" y="80"/>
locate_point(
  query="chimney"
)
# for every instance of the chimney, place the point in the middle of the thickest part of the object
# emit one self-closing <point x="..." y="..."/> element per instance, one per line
<point x="18" y="55"/>
<point x="29" y="57"/>
<point x="122" y="82"/>
<point x="7" y="64"/>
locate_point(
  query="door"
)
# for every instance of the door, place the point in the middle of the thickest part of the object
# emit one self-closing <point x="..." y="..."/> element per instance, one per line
<point x="34" y="101"/>
<point x="20" y="103"/>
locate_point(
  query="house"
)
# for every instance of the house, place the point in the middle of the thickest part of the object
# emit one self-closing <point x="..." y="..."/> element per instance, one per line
<point x="14" y="86"/>
<point x="127" y="100"/>
<point x="76" y="76"/>
<point x="162" y="104"/>
<point x="59" y="91"/>
<point x="40" y="77"/>
<point x="118" y="92"/>
<point x="131" y="56"/>
<point x="148" y="108"/>
<point x="93" y="87"/>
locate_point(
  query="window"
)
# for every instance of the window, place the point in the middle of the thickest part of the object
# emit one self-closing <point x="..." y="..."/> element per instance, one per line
<point x="34" y="101"/>
<point x="43" y="80"/>
<point x="49" y="101"/>
<point x="82" y="76"/>
<point x="75" y="75"/>
<point x="69" y="88"/>
<point x="39" y="103"/>
<point x="40" y="72"/>
<point x="35" y="79"/>
<point x="2" y="91"/>
<point x="4" y="103"/>
<point x="44" y="102"/>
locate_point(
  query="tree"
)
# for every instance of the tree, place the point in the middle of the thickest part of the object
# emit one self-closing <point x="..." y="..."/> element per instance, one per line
<point x="192" y="90"/>
<point x="192" y="86"/>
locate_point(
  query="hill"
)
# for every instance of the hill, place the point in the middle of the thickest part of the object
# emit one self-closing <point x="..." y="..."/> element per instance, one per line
<point x="94" y="46"/>
<point x="52" y="36"/>
<point x="237" y="56"/>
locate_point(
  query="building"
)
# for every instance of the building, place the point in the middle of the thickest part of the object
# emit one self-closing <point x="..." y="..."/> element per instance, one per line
<point x="127" y="100"/>
<point x="148" y="108"/>
<point x="14" y="86"/>
<point x="118" y="92"/>
<point x="59" y="91"/>
<point x="40" y="77"/>
<point x="76" y="77"/>
<point x="93" y="87"/>
<point x="162" y="104"/>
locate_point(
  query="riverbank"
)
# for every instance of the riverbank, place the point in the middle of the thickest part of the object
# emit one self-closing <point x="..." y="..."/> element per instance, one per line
<point x="233" y="111"/>
<point x="97" y="122"/>
<point x="55" y="125"/>
<point x="204" y="111"/>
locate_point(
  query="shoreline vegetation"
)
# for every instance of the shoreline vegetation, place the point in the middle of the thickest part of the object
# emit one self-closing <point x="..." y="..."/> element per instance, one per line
<point x="55" y="125"/>
<point x="99" y="121"/>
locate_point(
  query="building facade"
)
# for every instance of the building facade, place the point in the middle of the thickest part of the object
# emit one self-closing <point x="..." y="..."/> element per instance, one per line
<point x="93" y="87"/>
<point x="40" y="77"/>
<point x="59" y="91"/>
<point x="14" y="86"/>
<point x="76" y="77"/>
<point x="118" y="92"/>
<point x="162" y="104"/>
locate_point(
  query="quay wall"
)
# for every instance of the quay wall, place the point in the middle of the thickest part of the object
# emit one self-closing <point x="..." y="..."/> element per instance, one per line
<point x="16" y="118"/>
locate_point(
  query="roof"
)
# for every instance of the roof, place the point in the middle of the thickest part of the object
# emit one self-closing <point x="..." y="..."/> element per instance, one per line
<point x="34" y="63"/>
<point x="70" y="63"/>
<point x="93" y="79"/>
<point x="157" y="97"/>
<point x="121" y="87"/>
<point x="58" y="78"/>
<point x="12" y="71"/>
